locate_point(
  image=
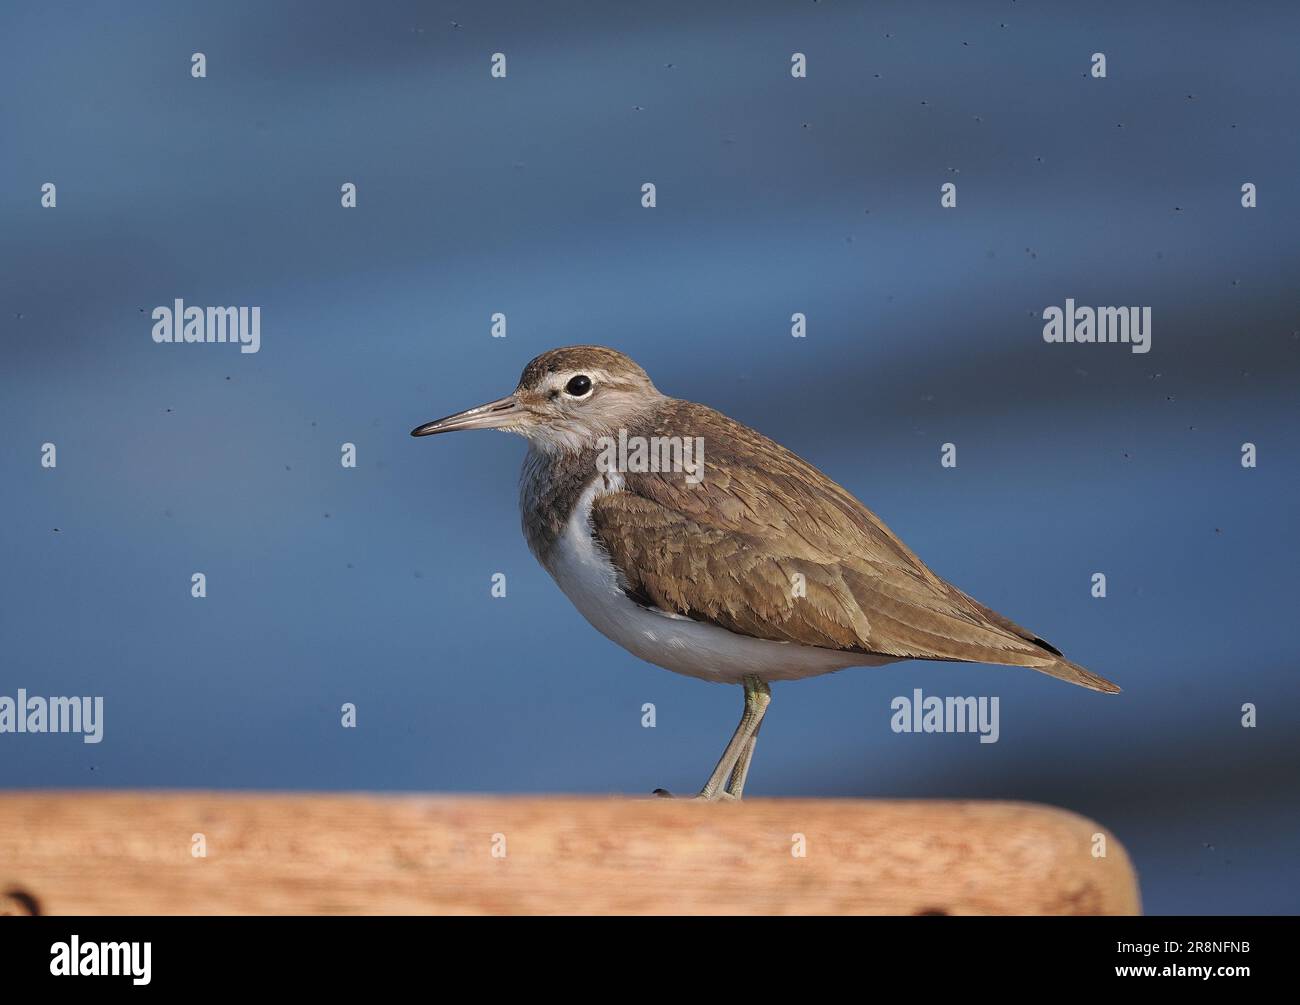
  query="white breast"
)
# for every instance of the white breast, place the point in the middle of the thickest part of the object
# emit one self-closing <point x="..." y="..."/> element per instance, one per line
<point x="584" y="572"/>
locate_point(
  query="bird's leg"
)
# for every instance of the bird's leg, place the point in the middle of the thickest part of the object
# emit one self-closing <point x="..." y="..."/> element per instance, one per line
<point x="741" y="748"/>
<point x="736" y="783"/>
<point x="733" y="766"/>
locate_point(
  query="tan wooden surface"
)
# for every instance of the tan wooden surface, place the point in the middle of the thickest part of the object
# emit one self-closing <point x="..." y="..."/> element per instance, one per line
<point x="130" y="853"/>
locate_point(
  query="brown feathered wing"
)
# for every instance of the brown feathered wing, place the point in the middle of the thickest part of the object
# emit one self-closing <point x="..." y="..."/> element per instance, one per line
<point x="767" y="546"/>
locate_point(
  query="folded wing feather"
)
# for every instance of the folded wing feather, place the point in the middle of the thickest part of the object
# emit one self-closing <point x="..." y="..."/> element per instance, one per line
<point x="780" y="552"/>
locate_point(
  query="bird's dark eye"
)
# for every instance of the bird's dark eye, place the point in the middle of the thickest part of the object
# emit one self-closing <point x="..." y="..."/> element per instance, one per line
<point x="578" y="386"/>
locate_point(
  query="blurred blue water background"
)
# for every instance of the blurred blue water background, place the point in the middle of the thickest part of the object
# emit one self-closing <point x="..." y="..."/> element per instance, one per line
<point x="775" y="195"/>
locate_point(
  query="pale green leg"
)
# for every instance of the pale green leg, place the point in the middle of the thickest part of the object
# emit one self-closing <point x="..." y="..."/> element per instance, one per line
<point x="733" y="766"/>
<point x="736" y="783"/>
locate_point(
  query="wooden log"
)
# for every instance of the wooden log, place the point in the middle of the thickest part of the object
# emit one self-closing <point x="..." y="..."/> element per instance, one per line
<point x="135" y="853"/>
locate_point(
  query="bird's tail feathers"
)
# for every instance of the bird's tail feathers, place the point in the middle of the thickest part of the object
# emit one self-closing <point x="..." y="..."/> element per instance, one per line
<point x="1063" y="669"/>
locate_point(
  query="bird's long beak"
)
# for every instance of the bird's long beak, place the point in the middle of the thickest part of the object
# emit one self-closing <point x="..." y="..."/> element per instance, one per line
<point x="495" y="414"/>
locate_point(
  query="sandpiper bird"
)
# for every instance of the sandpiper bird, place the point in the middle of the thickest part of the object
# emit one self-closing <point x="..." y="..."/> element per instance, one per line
<point x="749" y="567"/>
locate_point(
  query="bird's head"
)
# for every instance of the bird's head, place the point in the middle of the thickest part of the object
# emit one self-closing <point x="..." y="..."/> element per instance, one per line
<point x="566" y="400"/>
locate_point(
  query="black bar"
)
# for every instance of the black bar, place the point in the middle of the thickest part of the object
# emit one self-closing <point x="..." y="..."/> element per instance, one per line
<point x="479" y="955"/>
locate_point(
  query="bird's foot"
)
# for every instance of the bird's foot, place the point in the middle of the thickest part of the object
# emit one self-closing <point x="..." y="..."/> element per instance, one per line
<point x="717" y="797"/>
<point x="703" y="797"/>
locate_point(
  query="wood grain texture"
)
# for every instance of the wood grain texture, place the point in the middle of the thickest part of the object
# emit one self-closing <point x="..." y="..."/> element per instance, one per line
<point x="130" y="853"/>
